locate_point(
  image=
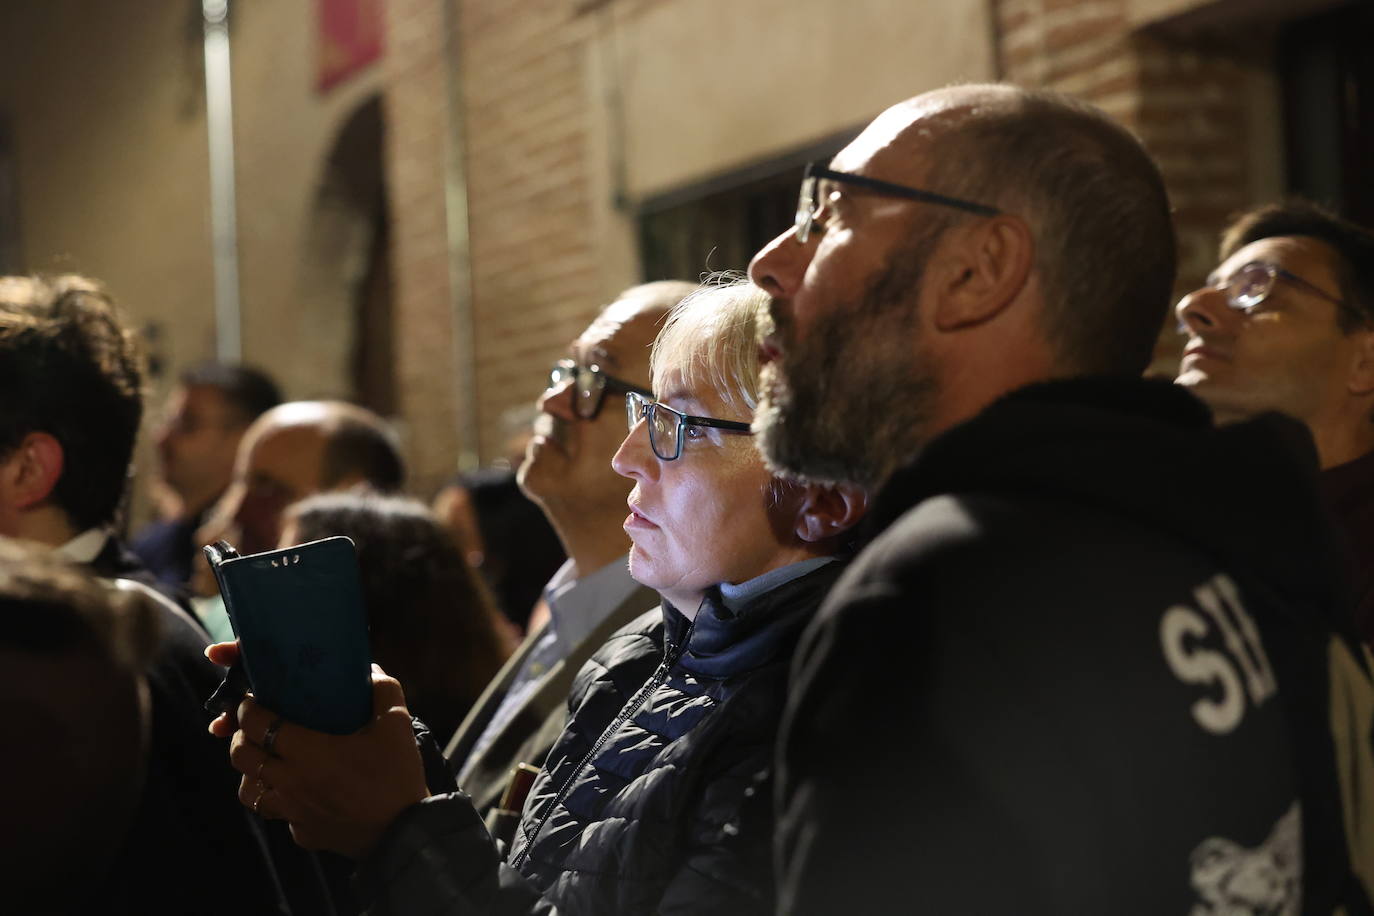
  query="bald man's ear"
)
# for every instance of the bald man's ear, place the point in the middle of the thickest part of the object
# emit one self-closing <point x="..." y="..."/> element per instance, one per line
<point x="31" y="471"/>
<point x="827" y="511"/>
<point x="1361" y="377"/>
<point x="982" y="270"/>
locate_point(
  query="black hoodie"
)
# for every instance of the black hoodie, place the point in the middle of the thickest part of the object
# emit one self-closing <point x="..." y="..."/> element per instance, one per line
<point x="1082" y="668"/>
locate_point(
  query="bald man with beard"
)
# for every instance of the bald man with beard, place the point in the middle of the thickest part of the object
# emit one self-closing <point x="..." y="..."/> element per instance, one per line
<point x="1091" y="661"/>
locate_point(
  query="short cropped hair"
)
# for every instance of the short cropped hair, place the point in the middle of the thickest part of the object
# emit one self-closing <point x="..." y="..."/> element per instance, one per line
<point x="69" y="368"/>
<point x="358" y="441"/>
<point x="709" y="338"/>
<point x="249" y="392"/>
<point x="1352" y="244"/>
<point x="1096" y="203"/>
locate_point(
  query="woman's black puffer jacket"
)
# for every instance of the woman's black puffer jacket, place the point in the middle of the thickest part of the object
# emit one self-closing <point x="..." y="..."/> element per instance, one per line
<point x="657" y="798"/>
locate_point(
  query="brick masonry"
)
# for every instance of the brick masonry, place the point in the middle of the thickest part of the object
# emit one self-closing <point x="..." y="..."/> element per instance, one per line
<point x="533" y="271"/>
<point x="1186" y="105"/>
<point x="422" y="310"/>
<point x="535" y="280"/>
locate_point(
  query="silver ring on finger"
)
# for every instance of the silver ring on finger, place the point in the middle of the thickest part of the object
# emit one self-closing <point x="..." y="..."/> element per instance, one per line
<point x="257" y="802"/>
<point x="269" y="737"/>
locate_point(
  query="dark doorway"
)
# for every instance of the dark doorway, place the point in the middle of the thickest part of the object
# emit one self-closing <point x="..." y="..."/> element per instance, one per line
<point x="350" y="256"/>
<point x="1327" y="72"/>
<point x="719" y="224"/>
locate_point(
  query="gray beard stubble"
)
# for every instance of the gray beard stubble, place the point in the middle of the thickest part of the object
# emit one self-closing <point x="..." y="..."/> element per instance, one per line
<point x="856" y="409"/>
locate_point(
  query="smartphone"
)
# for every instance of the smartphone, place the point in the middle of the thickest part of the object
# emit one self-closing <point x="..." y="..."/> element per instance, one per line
<point x="302" y="628"/>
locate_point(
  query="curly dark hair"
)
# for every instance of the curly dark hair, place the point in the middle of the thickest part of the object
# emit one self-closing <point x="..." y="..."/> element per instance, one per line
<point x="434" y="626"/>
<point x="69" y="368"/>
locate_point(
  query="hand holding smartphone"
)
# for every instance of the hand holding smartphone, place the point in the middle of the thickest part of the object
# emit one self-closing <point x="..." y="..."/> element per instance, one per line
<point x="298" y="614"/>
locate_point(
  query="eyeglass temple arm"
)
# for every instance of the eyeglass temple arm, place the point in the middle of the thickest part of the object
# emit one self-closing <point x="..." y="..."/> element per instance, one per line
<point x="1309" y="286"/>
<point x="688" y="420"/>
<point x="896" y="190"/>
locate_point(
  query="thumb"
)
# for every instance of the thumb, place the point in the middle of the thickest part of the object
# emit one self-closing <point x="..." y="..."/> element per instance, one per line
<point x="386" y="692"/>
<point x="223" y="654"/>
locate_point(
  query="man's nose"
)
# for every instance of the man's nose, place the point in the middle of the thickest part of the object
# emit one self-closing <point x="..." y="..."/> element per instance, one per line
<point x="557" y="400"/>
<point x="779" y="266"/>
<point x="1205" y="310"/>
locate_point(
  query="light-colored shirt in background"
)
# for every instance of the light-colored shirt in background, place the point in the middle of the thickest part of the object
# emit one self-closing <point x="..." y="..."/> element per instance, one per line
<point x="577" y="605"/>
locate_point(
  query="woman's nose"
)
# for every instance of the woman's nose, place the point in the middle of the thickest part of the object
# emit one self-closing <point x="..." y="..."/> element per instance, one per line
<point x="634" y="458"/>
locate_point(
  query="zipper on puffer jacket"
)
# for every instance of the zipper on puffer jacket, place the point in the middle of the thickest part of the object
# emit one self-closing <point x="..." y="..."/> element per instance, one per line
<point x="670" y="658"/>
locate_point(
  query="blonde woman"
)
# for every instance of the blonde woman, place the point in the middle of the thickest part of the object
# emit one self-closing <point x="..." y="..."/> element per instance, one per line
<point x="657" y="796"/>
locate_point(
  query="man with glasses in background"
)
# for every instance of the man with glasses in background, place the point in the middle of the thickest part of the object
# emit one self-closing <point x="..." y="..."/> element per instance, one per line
<point x="1286" y="323"/>
<point x="567" y="471"/>
<point x="1088" y="662"/>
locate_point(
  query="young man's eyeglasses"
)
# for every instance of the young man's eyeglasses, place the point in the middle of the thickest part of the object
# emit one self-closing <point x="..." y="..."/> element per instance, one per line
<point x="668" y="427"/>
<point x="589" y="386"/>
<point x="1252" y="283"/>
<point x="814" y="192"/>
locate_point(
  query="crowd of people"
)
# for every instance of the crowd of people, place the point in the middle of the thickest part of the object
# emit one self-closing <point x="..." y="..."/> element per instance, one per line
<point x="884" y="582"/>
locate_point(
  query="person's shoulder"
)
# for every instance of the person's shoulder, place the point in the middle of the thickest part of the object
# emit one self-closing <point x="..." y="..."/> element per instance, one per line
<point x="993" y="562"/>
<point x="940" y="531"/>
<point x="180" y="667"/>
<point x="641" y="636"/>
<point x="625" y="659"/>
<point x="176" y="621"/>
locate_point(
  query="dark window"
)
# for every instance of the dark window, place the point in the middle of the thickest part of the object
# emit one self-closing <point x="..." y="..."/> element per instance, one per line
<point x="1328" y="95"/>
<point x="720" y="224"/>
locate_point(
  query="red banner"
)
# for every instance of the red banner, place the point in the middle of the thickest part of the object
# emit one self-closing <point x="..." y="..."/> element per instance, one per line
<point x="350" y="38"/>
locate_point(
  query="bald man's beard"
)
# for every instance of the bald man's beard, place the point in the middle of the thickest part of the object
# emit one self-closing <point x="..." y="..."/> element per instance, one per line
<point x="850" y="403"/>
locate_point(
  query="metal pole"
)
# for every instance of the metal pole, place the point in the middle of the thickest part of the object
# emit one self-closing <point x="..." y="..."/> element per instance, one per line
<point x="219" y="119"/>
<point x="459" y="253"/>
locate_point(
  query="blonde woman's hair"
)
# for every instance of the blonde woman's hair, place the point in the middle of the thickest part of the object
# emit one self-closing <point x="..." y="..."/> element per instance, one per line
<point x="709" y="339"/>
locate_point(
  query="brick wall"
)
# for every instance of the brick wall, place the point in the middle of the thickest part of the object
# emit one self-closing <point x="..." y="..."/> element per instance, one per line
<point x="422" y="302"/>
<point x="534" y="167"/>
<point x="534" y="270"/>
<point x="1186" y="104"/>
<point x="534" y="276"/>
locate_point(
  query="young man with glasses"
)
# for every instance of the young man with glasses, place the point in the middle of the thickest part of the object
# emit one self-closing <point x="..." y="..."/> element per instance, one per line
<point x="567" y="472"/>
<point x="1286" y="323"/>
<point x="1084" y="665"/>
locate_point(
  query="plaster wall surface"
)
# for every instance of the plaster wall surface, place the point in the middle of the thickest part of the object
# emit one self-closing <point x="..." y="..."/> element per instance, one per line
<point x="105" y="102"/>
<point x="750" y="80"/>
